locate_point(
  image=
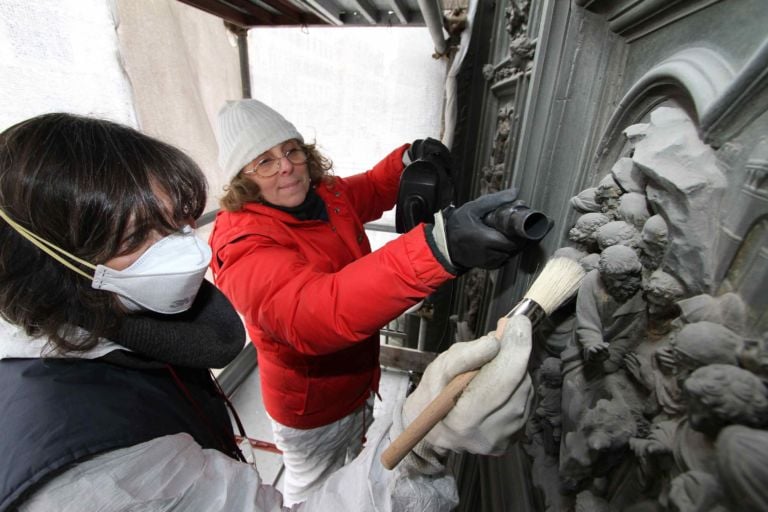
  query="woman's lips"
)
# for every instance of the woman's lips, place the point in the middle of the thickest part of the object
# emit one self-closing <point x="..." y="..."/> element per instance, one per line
<point x="290" y="185"/>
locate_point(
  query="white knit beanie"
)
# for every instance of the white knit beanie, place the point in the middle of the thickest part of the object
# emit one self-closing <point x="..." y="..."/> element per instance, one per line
<point x="247" y="128"/>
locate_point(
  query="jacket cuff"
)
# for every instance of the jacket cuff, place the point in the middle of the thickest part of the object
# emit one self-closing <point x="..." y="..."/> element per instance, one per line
<point x="435" y="236"/>
<point x="424" y="265"/>
<point x="407" y="157"/>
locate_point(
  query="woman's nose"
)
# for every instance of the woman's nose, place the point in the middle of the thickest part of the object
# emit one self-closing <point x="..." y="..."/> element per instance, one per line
<point x="284" y="166"/>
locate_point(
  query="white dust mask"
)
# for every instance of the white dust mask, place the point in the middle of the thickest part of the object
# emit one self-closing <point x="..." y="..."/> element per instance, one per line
<point x="164" y="279"/>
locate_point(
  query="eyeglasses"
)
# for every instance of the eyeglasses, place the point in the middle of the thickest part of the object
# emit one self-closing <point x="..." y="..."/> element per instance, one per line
<point x="269" y="166"/>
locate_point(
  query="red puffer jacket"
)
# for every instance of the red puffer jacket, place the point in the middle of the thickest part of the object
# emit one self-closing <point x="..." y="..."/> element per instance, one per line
<point x="314" y="296"/>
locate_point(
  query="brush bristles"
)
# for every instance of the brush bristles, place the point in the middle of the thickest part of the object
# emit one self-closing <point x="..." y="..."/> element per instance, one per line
<point x="557" y="282"/>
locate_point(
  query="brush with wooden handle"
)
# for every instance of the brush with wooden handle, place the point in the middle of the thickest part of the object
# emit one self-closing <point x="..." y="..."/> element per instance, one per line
<point x="557" y="282"/>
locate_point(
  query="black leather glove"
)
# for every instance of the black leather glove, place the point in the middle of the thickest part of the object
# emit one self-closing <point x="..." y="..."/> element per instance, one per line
<point x="471" y="242"/>
<point x="431" y="150"/>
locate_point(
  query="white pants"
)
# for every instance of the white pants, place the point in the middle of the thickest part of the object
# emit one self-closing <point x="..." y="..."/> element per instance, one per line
<point x="312" y="455"/>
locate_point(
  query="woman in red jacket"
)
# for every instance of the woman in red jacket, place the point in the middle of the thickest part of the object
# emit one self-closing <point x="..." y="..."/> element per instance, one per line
<point x="290" y="252"/>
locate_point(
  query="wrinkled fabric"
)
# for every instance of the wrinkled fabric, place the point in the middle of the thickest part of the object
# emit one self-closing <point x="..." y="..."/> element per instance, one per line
<point x="167" y="473"/>
<point x="58" y="412"/>
<point x="310" y="456"/>
<point x="173" y="473"/>
<point x="496" y="403"/>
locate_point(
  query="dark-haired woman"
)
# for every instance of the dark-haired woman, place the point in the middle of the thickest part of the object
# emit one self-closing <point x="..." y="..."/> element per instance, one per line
<point x="108" y="331"/>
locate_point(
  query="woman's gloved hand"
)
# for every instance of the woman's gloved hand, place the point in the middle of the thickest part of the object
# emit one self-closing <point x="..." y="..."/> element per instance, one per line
<point x="491" y="410"/>
<point x="465" y="241"/>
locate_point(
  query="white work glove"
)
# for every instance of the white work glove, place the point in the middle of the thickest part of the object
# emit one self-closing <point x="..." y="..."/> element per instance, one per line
<point x="493" y="407"/>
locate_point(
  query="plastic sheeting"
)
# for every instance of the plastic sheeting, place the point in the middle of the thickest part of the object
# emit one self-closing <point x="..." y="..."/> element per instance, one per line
<point x="183" y="65"/>
<point x="61" y="55"/>
<point x="359" y="91"/>
<point x="166" y="68"/>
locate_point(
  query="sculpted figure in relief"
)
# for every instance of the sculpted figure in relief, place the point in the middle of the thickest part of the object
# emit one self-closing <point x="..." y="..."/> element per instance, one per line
<point x="742" y="464"/>
<point x="517" y="16"/>
<point x="695" y="345"/>
<point x="598" y="446"/>
<point x="699" y="369"/>
<point x="653" y="242"/>
<point x="719" y="395"/>
<point x="584" y="201"/>
<point x="607" y="308"/>
<point x="754" y="357"/>
<point x="607" y="196"/>
<point x="616" y="232"/>
<point x="521" y="52"/>
<point x="696" y="490"/>
<point x="547" y="412"/>
<point x="582" y="234"/>
<point x="661" y="292"/>
<point x="633" y="208"/>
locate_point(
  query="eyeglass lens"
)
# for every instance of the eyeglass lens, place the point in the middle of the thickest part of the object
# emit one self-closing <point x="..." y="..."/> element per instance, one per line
<point x="270" y="166"/>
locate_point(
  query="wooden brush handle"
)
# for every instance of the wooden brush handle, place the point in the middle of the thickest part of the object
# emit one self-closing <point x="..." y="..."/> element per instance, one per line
<point x="437" y="409"/>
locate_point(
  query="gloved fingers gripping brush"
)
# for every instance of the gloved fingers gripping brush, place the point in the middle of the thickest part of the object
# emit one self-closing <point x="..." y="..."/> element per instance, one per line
<point x="558" y="281"/>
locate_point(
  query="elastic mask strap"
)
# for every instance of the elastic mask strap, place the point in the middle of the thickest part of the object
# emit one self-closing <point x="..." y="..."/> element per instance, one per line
<point x="47" y="247"/>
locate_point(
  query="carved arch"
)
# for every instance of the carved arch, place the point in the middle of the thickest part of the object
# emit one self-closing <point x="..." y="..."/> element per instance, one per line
<point x="703" y="73"/>
<point x="693" y="79"/>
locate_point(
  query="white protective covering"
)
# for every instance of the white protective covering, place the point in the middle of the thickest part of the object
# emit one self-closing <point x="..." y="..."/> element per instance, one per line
<point x="61" y="55"/>
<point x="175" y="473"/>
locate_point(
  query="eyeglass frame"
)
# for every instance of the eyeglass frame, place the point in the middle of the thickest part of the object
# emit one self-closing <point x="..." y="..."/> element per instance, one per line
<point x="278" y="162"/>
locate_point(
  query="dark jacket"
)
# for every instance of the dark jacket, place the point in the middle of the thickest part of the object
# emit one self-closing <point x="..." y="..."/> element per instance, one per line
<point x="56" y="412"/>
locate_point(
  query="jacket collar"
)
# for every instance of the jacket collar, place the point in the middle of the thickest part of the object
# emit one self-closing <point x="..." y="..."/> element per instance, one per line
<point x="327" y="193"/>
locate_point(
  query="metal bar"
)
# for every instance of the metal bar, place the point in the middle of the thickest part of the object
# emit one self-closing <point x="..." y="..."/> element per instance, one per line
<point x="278" y="475"/>
<point x="236" y="372"/>
<point x="372" y="226"/>
<point x="207" y="217"/>
<point x="245" y="68"/>
<point x="422" y="334"/>
<point x="433" y="17"/>
<point x="225" y="12"/>
<point x="392" y="334"/>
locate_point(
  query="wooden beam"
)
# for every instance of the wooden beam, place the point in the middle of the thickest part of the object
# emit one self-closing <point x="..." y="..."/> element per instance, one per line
<point x="328" y="10"/>
<point x="247" y="14"/>
<point x="222" y="11"/>
<point x="289" y="10"/>
<point x="406" y="359"/>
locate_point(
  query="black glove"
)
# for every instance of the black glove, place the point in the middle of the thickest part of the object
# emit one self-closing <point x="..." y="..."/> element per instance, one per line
<point x="432" y="151"/>
<point x="471" y="242"/>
